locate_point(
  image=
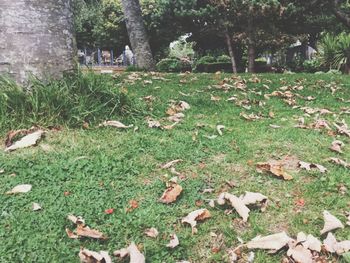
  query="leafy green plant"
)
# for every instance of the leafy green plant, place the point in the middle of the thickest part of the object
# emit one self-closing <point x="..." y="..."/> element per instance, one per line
<point x="173" y="65"/>
<point x="70" y="101"/>
<point x="335" y="50"/>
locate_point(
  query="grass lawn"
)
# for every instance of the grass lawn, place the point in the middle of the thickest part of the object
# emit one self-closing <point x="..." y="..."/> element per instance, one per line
<point x="86" y="171"/>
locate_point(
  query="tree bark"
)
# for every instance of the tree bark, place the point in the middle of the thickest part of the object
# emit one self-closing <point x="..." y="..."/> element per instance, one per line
<point x="340" y="14"/>
<point x="36" y="38"/>
<point x="251" y="47"/>
<point x="230" y="51"/>
<point x="137" y="34"/>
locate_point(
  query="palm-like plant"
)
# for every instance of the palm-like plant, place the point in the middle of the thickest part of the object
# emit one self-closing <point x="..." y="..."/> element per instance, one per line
<point x="335" y="51"/>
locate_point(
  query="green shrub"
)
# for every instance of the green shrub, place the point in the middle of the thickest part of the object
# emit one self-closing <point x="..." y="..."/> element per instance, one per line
<point x="224" y="59"/>
<point x="205" y="60"/>
<point x="335" y="50"/>
<point x="173" y="65"/>
<point x="313" y="65"/>
<point x="70" y="101"/>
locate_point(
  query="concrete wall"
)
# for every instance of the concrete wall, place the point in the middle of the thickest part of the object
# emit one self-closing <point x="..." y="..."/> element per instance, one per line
<point x="36" y="37"/>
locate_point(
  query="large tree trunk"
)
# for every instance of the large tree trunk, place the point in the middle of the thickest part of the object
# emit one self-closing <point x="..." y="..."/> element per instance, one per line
<point x="36" y="38"/>
<point x="230" y="51"/>
<point x="251" y="47"/>
<point x="138" y="34"/>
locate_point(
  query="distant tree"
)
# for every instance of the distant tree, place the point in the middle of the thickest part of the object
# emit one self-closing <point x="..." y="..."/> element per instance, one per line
<point x="137" y="34"/>
<point x="341" y="10"/>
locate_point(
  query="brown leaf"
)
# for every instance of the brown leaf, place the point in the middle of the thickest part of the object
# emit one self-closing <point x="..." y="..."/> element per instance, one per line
<point x="336" y="146"/>
<point x="276" y="168"/>
<point x="133" y="252"/>
<point x="195" y="216"/>
<point x="151" y="232"/>
<point x="309" y="242"/>
<point x="153" y="123"/>
<point x="174" y="241"/>
<point x="116" y="124"/>
<point x="252" y="198"/>
<point x="36" y="207"/>
<point x="300" y="253"/>
<point x="27" y="141"/>
<point x="272" y="242"/>
<point x="88" y="256"/>
<point x="170" y="195"/>
<point x="339" y="162"/>
<point x="309" y="166"/>
<point x="330" y="222"/>
<point x="236" y="203"/>
<point x="85" y="231"/>
<point x="22" y="188"/>
<point x="133" y="205"/>
<point x="170" y="164"/>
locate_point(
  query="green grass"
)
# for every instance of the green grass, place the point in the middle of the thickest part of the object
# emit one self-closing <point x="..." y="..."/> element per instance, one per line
<point x="106" y="168"/>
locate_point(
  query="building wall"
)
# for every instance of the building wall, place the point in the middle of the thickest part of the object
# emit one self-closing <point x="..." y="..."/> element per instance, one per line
<point x="36" y="37"/>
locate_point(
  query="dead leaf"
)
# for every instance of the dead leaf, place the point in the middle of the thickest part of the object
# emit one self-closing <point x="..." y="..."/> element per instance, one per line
<point x="170" y="195"/>
<point x="151" y="232"/>
<point x="336" y="146"/>
<point x="219" y="129"/>
<point x="299" y="253"/>
<point x="22" y="188"/>
<point x="78" y="220"/>
<point x="309" y="242"/>
<point x="174" y="241"/>
<point x="83" y="230"/>
<point x="195" y="216"/>
<point x="133" y="252"/>
<point x="170" y="164"/>
<point x="339" y="162"/>
<point x="88" y="256"/>
<point x="272" y="242"/>
<point x="252" y="198"/>
<point x="276" y="168"/>
<point x="309" y="166"/>
<point x="329" y="243"/>
<point x="116" y="124"/>
<point x="36" y="207"/>
<point x="153" y="123"/>
<point x="236" y="203"/>
<point x="330" y="222"/>
<point x="27" y="141"/>
<point x="342" y="129"/>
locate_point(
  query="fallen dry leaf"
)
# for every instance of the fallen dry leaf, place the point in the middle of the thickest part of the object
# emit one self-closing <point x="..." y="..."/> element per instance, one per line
<point x="22" y="188"/>
<point x="333" y="246"/>
<point x="309" y="242"/>
<point x="116" y="124"/>
<point x="171" y="194"/>
<point x="342" y="129"/>
<point x="170" y="164"/>
<point x="339" y="162"/>
<point x="330" y="222"/>
<point x="219" y="129"/>
<point x="133" y="252"/>
<point x="27" y="141"/>
<point x="195" y="216"/>
<point x="276" y="168"/>
<point x="236" y="203"/>
<point x="299" y="253"/>
<point x="309" y="166"/>
<point x="88" y="256"/>
<point x="336" y="146"/>
<point x="252" y="198"/>
<point x="83" y="230"/>
<point x="36" y="207"/>
<point x="174" y="241"/>
<point x="272" y="242"/>
<point x="151" y="232"/>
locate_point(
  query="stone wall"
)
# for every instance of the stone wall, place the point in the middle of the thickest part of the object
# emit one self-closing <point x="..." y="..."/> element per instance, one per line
<point x="36" y="37"/>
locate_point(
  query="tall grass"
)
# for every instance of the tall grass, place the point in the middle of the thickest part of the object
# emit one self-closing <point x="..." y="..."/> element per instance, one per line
<point x="71" y="101"/>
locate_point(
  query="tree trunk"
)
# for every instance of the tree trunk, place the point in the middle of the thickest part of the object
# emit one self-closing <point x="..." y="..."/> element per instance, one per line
<point x="36" y="38"/>
<point x="230" y="51"/>
<point x="340" y="14"/>
<point x="251" y="48"/>
<point x="137" y="34"/>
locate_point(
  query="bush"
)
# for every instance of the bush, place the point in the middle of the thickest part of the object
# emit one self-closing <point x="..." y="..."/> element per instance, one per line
<point x="335" y="50"/>
<point x="205" y="60"/>
<point x="313" y="65"/>
<point x="224" y="59"/>
<point x="70" y="101"/>
<point x="214" y="67"/>
<point x="173" y="65"/>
